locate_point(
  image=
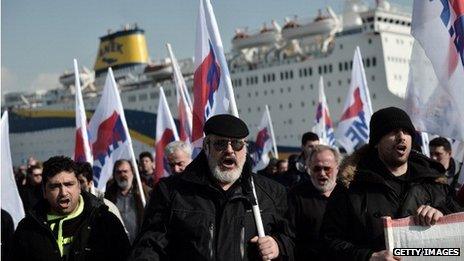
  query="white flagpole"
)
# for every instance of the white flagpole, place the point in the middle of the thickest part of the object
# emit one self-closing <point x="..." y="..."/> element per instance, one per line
<point x="129" y="141"/>
<point x="272" y="132"/>
<point x="80" y="110"/>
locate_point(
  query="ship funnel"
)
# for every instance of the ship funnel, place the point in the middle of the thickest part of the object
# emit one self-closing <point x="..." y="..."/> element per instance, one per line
<point x="122" y="49"/>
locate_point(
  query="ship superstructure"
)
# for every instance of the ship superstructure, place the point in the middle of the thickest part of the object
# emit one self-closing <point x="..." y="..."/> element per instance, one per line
<point x="275" y="65"/>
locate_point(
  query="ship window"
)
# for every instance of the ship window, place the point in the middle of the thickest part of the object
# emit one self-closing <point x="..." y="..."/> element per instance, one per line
<point x="373" y="78"/>
<point x="339" y="100"/>
<point x="339" y="82"/>
<point x="264" y="78"/>
<point x="281" y="106"/>
<point x="239" y="111"/>
<point x="256" y="79"/>
<point x="325" y="69"/>
<point x="311" y="86"/>
<point x="247" y="81"/>
<point x="305" y="72"/>
<point x="368" y="62"/>
<point x="286" y="75"/>
<point x="154" y="95"/>
<point x="258" y="109"/>
<point x="249" y="109"/>
<point x="374" y="61"/>
<point x="281" y="75"/>
<point x="302" y="87"/>
<point x="291" y="74"/>
<point x="281" y="90"/>
<point x="369" y="41"/>
<point x="351" y="65"/>
<point x="256" y="94"/>
<point x="273" y="77"/>
<point x="370" y="19"/>
<point x="300" y="73"/>
<point x="240" y="82"/>
<point x="265" y="92"/>
<point x="314" y="103"/>
<point x="346" y="66"/>
<point x="290" y="121"/>
<point x="143" y="97"/>
<point x="168" y="93"/>
<point x="302" y="104"/>
<point x="348" y="81"/>
<point x="131" y="98"/>
<point x="340" y="67"/>
<point x="272" y="91"/>
<point x="289" y="89"/>
<point x="379" y="18"/>
<point x="330" y="68"/>
<point x="373" y="96"/>
<point x="328" y="84"/>
<point x="341" y="46"/>
<point x="319" y="70"/>
<point x="310" y="71"/>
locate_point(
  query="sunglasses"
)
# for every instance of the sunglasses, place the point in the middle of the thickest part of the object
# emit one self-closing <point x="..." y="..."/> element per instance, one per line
<point x="221" y="145"/>
<point x="326" y="169"/>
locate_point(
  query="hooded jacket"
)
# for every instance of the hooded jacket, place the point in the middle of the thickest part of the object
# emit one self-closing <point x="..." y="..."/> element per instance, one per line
<point x="100" y="236"/>
<point x="352" y="227"/>
<point x="189" y="217"/>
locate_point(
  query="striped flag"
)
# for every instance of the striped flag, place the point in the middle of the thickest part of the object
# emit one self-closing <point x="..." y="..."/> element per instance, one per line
<point x="212" y="86"/>
<point x="82" y="152"/>
<point x="435" y="105"/>
<point x="323" y="124"/>
<point x="11" y="202"/>
<point x="353" y="127"/>
<point x="184" y="105"/>
<point x="109" y="136"/>
<point x="265" y="143"/>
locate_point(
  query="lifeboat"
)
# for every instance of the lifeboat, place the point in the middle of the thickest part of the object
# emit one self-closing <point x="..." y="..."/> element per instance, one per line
<point x="265" y="36"/>
<point x="293" y="29"/>
<point x="160" y="71"/>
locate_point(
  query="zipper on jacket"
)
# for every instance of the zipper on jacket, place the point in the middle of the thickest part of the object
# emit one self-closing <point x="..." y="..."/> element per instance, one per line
<point x="211" y="240"/>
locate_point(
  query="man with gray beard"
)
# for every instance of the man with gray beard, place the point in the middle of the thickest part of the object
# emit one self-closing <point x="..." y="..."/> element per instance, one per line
<point x="204" y="213"/>
<point x="308" y="200"/>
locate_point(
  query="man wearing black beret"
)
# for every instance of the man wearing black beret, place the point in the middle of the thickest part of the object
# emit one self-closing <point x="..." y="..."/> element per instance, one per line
<point x="384" y="178"/>
<point x="205" y="212"/>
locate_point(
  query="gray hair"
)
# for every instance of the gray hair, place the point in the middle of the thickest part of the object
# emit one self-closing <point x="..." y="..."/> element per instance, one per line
<point x="178" y="145"/>
<point x="321" y="148"/>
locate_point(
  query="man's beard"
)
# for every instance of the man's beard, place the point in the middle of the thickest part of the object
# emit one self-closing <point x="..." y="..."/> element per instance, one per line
<point x="225" y="176"/>
<point x="123" y="183"/>
<point x="328" y="185"/>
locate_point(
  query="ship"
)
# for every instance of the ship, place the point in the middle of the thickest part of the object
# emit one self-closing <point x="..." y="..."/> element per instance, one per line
<point x="277" y="65"/>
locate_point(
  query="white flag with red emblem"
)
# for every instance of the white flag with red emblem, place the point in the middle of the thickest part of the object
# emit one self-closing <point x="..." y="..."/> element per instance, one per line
<point x="184" y="106"/>
<point x="265" y="142"/>
<point x="212" y="86"/>
<point x="434" y="97"/>
<point x="323" y="124"/>
<point x="109" y="136"/>
<point x="353" y="127"/>
<point x="165" y="133"/>
<point x="82" y="152"/>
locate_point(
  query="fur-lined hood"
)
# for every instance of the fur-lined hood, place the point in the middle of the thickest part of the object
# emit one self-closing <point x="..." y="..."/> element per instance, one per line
<point x="355" y="164"/>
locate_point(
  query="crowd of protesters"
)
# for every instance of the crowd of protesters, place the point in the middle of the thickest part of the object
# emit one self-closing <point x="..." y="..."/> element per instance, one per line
<point x="315" y="205"/>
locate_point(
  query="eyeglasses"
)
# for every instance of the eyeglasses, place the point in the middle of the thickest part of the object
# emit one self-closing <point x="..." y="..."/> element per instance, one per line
<point x="326" y="169"/>
<point x="221" y="145"/>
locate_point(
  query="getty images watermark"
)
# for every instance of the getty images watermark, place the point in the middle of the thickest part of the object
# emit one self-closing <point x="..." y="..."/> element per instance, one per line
<point x="426" y="252"/>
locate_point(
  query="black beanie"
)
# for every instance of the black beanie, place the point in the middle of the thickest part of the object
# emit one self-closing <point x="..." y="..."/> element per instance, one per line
<point x="388" y="119"/>
<point x="226" y="125"/>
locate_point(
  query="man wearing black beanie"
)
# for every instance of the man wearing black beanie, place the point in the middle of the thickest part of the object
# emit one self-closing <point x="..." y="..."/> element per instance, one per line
<point x="384" y="178"/>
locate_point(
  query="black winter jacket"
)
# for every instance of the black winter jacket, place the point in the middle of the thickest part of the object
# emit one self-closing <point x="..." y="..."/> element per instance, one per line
<point x="306" y="210"/>
<point x="101" y="235"/>
<point x="191" y="218"/>
<point x="352" y="226"/>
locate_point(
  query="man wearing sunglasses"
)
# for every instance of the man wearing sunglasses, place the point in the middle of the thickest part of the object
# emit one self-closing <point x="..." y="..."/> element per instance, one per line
<point x="205" y="212"/>
<point x="308" y="200"/>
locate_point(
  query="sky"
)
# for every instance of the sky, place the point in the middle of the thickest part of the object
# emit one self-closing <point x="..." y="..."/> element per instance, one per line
<point x="39" y="39"/>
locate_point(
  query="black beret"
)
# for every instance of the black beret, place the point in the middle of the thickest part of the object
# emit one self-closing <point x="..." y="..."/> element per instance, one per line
<point x="226" y="125"/>
<point x="388" y="119"/>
